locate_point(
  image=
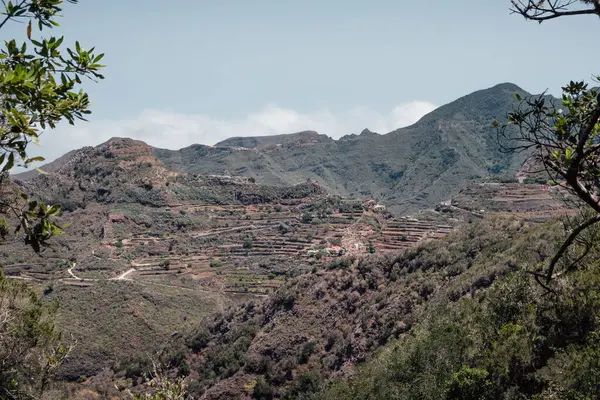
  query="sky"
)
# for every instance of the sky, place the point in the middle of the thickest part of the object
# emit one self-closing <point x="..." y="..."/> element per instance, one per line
<point x="181" y="72"/>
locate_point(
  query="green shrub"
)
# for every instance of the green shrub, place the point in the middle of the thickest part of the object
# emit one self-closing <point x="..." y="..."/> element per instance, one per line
<point x="470" y="384"/>
<point x="216" y="263"/>
<point x="371" y="248"/>
<point x="307" y="218"/>
<point x="262" y="390"/>
<point x="307" y="350"/>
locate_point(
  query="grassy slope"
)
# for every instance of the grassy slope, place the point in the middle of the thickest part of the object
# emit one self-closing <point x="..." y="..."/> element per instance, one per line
<point x="116" y="320"/>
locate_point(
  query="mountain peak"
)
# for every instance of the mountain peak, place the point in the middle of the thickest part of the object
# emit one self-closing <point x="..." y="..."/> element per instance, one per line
<point x="486" y="104"/>
<point x="273" y="140"/>
<point x="506" y="86"/>
<point x="366" y="132"/>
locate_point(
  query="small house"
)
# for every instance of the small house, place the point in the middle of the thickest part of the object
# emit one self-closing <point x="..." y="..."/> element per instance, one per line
<point x="379" y="208"/>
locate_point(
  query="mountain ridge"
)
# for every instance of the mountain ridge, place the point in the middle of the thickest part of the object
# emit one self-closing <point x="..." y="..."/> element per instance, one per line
<point x="410" y="168"/>
<point x="399" y="168"/>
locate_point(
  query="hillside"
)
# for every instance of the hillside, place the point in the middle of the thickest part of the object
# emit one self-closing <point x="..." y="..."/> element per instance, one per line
<point x="156" y="250"/>
<point x="162" y="241"/>
<point x="322" y="326"/>
<point x="408" y="169"/>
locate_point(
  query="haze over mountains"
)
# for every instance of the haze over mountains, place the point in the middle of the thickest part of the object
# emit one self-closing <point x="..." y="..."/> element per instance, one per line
<point x="407" y="169"/>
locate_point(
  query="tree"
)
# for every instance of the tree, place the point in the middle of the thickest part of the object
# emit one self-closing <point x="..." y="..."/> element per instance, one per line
<point x="564" y="138"/>
<point x="30" y="348"/>
<point x="38" y="89"/>
<point x="163" y="387"/>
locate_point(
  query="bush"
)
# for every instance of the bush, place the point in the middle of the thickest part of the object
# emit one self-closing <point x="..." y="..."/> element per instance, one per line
<point x="307" y="218"/>
<point x="284" y="228"/>
<point x="199" y="339"/>
<point x="371" y="248"/>
<point x="307" y="350"/>
<point x="308" y="385"/>
<point x="470" y="384"/>
<point x="216" y="263"/>
<point x="262" y="390"/>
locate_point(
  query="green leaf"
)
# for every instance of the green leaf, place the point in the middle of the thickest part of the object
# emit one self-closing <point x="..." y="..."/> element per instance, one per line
<point x="34" y="159"/>
<point x="568" y="153"/>
<point x="41" y="171"/>
<point x="10" y="163"/>
<point x="54" y="209"/>
<point x="518" y="96"/>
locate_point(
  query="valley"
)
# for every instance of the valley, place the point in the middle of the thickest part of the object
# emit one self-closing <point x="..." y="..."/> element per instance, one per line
<point x="299" y="201"/>
<point x="155" y="249"/>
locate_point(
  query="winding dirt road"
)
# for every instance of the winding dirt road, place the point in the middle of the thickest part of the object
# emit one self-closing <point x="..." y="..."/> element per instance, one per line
<point x="123" y="276"/>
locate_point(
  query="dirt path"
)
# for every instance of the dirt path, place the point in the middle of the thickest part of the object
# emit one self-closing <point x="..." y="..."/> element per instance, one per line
<point x="252" y="227"/>
<point x="137" y="264"/>
<point x="70" y="272"/>
<point x="123" y="276"/>
<point x="23" y="278"/>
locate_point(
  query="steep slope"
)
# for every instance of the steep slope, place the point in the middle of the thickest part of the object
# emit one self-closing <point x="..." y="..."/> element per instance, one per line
<point x="321" y="325"/>
<point x="150" y="251"/>
<point x="407" y="169"/>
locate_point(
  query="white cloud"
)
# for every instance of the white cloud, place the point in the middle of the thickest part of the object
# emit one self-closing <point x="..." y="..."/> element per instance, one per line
<point x="173" y="130"/>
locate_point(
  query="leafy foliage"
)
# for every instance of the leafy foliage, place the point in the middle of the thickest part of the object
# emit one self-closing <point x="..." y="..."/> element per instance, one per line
<point x="510" y="342"/>
<point x="164" y="387"/>
<point x="38" y="89"/>
<point x="38" y="83"/>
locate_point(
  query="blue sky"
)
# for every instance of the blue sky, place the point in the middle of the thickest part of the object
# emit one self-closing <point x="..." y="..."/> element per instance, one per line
<point x="188" y="71"/>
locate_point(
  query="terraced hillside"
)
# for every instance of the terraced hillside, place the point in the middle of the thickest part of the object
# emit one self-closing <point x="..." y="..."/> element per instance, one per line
<point x="227" y="248"/>
<point x="534" y="202"/>
<point x="151" y="251"/>
<point x="156" y="250"/>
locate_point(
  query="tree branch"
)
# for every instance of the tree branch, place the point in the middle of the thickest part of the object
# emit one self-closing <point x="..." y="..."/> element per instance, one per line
<point x="8" y="16"/>
<point x="536" y="11"/>
<point x="567" y="243"/>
